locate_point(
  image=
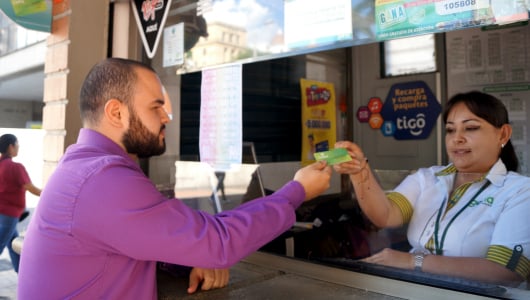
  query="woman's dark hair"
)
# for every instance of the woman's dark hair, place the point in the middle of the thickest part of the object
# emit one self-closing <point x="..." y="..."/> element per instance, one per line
<point x="6" y="140"/>
<point x="494" y="112"/>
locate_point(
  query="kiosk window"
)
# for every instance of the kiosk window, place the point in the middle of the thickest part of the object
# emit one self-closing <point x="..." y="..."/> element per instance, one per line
<point x="271" y="110"/>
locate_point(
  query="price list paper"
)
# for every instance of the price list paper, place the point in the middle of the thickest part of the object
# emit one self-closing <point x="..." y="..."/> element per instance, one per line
<point x="221" y="126"/>
<point x="495" y="60"/>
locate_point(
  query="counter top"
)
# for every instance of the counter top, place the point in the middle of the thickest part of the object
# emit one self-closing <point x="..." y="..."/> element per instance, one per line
<point x="263" y="276"/>
<point x="253" y="281"/>
<point x="268" y="276"/>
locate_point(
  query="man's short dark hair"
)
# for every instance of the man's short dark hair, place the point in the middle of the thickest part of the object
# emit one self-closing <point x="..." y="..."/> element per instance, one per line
<point x="112" y="78"/>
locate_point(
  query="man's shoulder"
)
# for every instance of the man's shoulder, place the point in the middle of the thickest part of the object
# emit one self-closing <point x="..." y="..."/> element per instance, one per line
<point x="85" y="160"/>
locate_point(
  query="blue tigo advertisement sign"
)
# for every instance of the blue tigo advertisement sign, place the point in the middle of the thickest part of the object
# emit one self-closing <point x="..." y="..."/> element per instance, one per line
<point x="410" y="111"/>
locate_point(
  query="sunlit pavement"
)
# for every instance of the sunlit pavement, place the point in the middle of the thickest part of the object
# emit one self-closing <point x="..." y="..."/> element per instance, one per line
<point x="8" y="276"/>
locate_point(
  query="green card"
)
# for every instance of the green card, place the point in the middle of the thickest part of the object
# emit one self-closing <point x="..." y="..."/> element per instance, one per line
<point x="335" y="156"/>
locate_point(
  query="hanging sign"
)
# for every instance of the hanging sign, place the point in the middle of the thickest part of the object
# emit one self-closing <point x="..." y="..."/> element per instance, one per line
<point x="410" y="111"/>
<point x="401" y="18"/>
<point x="221" y="129"/>
<point x="173" y="53"/>
<point x="316" y="22"/>
<point x="150" y="18"/>
<point x="319" y="121"/>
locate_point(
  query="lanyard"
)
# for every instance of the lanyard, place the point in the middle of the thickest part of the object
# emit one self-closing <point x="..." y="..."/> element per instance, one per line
<point x="440" y="244"/>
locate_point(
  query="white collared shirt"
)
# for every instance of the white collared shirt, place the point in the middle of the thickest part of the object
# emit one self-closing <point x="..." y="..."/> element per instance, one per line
<point x="499" y="215"/>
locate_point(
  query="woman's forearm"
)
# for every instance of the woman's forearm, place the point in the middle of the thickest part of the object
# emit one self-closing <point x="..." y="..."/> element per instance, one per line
<point x="32" y="189"/>
<point x="373" y="201"/>
<point x="474" y="268"/>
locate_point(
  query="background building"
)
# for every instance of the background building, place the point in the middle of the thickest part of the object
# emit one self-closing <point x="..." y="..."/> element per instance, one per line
<point x="22" y="54"/>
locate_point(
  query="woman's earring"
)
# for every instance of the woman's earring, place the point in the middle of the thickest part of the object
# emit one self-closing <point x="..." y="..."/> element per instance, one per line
<point x="502" y="146"/>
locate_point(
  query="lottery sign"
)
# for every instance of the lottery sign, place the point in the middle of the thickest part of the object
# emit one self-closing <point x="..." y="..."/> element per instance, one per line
<point x="401" y="18"/>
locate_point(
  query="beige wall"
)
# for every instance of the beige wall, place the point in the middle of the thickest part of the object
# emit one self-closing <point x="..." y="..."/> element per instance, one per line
<point x="387" y="152"/>
<point x="77" y="41"/>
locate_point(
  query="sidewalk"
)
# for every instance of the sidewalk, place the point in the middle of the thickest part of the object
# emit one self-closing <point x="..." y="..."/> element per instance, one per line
<point x="8" y="276"/>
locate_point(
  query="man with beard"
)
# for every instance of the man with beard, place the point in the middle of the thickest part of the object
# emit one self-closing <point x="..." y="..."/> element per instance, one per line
<point x="101" y="225"/>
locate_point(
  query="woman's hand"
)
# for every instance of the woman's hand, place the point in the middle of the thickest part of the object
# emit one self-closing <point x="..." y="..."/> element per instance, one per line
<point x="392" y="258"/>
<point x="210" y="279"/>
<point x="358" y="162"/>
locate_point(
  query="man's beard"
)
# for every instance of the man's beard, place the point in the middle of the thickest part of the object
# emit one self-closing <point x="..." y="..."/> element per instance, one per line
<point x="140" y="141"/>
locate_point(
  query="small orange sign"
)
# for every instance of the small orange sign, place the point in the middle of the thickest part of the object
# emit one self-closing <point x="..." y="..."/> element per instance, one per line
<point x="375" y="105"/>
<point x="376" y="120"/>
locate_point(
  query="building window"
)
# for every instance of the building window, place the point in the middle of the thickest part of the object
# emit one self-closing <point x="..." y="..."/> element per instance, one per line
<point x="14" y="37"/>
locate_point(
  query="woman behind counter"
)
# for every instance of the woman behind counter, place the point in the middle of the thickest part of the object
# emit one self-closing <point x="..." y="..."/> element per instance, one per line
<point x="14" y="182"/>
<point x="466" y="219"/>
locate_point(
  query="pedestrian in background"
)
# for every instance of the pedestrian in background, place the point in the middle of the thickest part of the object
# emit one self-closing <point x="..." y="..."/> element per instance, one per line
<point x="14" y="182"/>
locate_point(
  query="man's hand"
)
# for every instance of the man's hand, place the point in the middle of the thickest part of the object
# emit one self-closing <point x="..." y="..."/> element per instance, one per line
<point x="210" y="279"/>
<point x="314" y="178"/>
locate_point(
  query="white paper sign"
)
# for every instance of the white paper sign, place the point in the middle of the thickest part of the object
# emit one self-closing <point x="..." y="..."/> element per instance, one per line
<point x="315" y="22"/>
<point x="173" y="45"/>
<point x="221" y="127"/>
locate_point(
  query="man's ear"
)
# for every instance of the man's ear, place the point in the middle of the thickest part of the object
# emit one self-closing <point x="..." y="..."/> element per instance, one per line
<point x="114" y="113"/>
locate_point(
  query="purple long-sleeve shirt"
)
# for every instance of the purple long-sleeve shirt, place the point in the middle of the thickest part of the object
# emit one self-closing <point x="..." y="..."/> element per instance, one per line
<point x="101" y="225"/>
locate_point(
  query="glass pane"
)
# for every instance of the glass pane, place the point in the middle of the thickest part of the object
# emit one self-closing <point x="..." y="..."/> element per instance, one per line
<point x="410" y="55"/>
